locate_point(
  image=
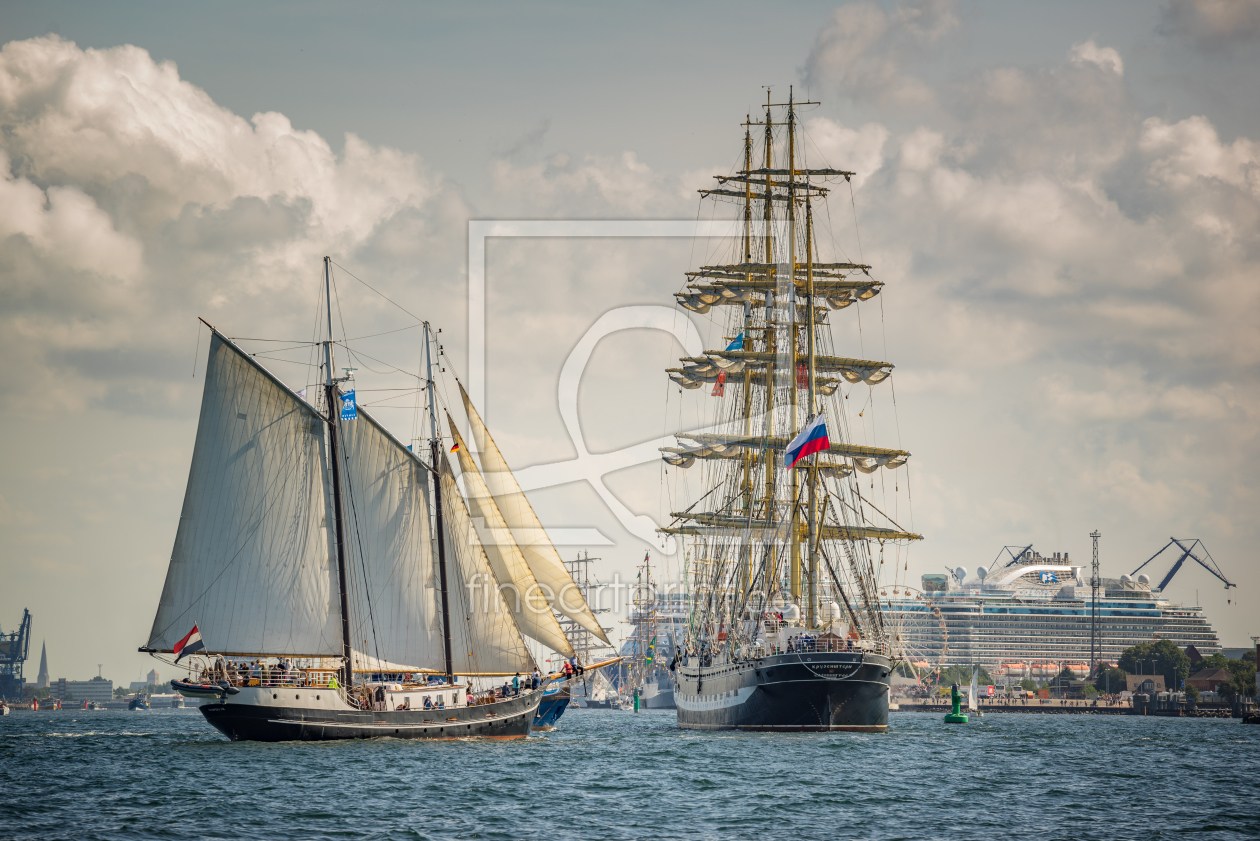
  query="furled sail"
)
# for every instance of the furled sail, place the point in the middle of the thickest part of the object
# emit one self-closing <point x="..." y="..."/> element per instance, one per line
<point x="484" y="636"/>
<point x="390" y="567"/>
<point x="559" y="588"/>
<point x="520" y="588"/>
<point x="252" y="564"/>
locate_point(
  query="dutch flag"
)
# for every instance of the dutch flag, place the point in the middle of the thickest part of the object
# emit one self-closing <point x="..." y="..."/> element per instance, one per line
<point x="190" y="644"/>
<point x="812" y="439"/>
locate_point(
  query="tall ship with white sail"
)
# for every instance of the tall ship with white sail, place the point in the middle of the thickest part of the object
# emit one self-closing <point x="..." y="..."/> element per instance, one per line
<point x="784" y="545"/>
<point x="335" y="581"/>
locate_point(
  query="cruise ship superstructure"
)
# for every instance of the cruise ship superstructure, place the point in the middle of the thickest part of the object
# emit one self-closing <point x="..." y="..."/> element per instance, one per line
<point x="1030" y="617"/>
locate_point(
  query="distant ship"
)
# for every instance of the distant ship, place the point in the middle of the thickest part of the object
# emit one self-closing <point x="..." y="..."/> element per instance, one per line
<point x="1029" y="616"/>
<point x="358" y="581"/>
<point x="784" y="548"/>
<point x="139" y="702"/>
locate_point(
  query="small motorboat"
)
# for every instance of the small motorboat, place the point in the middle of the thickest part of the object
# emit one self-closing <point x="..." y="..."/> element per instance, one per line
<point x="140" y="702"/>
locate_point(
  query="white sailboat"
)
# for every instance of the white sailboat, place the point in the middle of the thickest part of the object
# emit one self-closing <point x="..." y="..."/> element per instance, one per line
<point x="347" y="568"/>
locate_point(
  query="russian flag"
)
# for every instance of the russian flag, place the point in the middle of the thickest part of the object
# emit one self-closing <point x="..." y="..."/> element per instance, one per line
<point x="812" y="439"/>
<point x="190" y="644"/>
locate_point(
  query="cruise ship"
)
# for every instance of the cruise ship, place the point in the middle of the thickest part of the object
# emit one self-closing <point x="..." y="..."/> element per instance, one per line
<point x="1031" y="618"/>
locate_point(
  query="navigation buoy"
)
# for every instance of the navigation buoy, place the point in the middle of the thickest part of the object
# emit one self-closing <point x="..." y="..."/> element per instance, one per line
<point x="957" y="716"/>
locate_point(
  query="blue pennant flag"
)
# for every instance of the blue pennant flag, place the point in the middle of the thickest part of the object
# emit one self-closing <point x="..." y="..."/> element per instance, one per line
<point x="349" y="409"/>
<point x="738" y="344"/>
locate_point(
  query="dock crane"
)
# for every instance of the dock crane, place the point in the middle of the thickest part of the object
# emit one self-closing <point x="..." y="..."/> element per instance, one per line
<point x="14" y="648"/>
<point x="1187" y="551"/>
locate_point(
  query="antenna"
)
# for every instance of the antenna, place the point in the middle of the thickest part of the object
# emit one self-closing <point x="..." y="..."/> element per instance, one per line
<point x="1095" y="584"/>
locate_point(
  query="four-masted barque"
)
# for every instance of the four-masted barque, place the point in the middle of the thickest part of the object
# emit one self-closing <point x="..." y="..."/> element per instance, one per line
<point x="370" y="597"/>
<point x="781" y="544"/>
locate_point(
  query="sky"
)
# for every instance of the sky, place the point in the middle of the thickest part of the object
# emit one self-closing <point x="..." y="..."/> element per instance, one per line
<point x="1063" y="201"/>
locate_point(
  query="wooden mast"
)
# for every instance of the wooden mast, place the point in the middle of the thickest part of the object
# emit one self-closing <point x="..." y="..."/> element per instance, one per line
<point x="330" y="401"/>
<point x="748" y="378"/>
<point x="435" y="453"/>
<point x="770" y="348"/>
<point x="811" y="613"/>
<point x="795" y="540"/>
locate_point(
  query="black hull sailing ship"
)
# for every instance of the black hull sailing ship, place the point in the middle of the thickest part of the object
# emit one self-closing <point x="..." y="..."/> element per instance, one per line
<point x="784" y="548"/>
<point x="339" y="585"/>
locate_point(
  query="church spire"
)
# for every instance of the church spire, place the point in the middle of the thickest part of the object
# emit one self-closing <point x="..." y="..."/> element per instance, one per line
<point x="42" y="681"/>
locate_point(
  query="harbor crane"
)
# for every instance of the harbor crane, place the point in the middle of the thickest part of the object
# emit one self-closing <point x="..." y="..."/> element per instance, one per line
<point x="1187" y="551"/>
<point x="13" y="650"/>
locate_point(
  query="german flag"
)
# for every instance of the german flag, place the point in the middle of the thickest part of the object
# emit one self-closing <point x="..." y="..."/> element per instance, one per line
<point x="455" y="447"/>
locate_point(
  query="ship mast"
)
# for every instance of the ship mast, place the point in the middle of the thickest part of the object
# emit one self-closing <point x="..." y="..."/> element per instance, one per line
<point x="435" y="453"/>
<point x="330" y="402"/>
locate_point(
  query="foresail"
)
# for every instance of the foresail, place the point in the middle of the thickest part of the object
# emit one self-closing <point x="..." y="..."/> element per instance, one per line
<point x="252" y="565"/>
<point x="561" y="591"/>
<point x="390" y="568"/>
<point x="525" y="597"/>
<point x="484" y="635"/>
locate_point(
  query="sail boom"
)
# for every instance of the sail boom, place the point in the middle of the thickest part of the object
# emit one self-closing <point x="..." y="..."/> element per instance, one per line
<point x="821" y="173"/>
<point x="784" y="531"/>
<point x="801" y="186"/>
<point x="774" y="442"/>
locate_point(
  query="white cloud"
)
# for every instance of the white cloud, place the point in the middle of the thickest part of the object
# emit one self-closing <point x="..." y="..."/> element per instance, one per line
<point x="861" y="49"/>
<point x="1090" y="53"/>
<point x="1210" y="24"/>
<point x="128" y="198"/>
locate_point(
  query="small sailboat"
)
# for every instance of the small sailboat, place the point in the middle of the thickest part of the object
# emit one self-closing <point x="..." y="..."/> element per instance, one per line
<point x="973" y="692"/>
<point x="349" y="570"/>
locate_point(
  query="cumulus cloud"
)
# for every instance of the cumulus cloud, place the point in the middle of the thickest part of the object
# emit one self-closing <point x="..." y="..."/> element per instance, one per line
<point x="130" y="201"/>
<point x="1209" y="24"/>
<point x="862" y="48"/>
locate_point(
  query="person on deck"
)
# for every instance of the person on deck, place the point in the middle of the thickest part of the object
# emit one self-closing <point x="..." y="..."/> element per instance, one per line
<point x="537" y="681"/>
<point x="516" y="684"/>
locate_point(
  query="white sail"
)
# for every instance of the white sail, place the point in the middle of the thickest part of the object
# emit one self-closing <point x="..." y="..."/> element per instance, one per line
<point x="484" y="636"/>
<point x="559" y="588"/>
<point x="973" y="690"/>
<point x="252" y="565"/>
<point x="525" y="598"/>
<point x="390" y="570"/>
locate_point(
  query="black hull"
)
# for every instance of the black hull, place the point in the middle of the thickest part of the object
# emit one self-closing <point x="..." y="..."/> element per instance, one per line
<point x="846" y="691"/>
<point x="509" y="719"/>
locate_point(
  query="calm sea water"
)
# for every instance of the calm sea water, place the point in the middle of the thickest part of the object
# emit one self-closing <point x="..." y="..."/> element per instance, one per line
<point x="621" y="775"/>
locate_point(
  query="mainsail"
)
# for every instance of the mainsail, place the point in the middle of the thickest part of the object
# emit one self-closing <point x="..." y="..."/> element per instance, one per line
<point x="559" y="588"/>
<point x="252" y="562"/>
<point x="520" y="588"/>
<point x="394" y="613"/>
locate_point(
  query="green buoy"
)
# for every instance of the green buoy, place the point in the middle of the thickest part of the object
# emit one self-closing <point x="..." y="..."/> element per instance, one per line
<point x="957" y="716"/>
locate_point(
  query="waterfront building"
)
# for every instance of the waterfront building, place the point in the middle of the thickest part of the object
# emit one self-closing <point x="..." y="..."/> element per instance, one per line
<point x="96" y="689"/>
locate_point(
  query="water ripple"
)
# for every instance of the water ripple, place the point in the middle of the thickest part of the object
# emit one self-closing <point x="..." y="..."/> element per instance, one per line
<point x="164" y="774"/>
